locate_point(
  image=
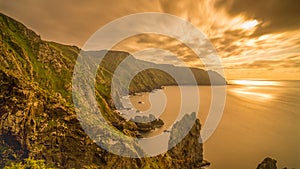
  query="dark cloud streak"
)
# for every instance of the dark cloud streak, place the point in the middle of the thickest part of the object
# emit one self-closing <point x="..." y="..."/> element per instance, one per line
<point x="276" y="15"/>
<point x="289" y="62"/>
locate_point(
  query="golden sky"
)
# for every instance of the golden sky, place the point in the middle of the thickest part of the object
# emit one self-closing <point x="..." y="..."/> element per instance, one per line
<point x="256" y="39"/>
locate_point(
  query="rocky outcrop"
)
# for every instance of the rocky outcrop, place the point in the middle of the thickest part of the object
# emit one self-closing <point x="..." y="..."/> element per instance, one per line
<point x="147" y="123"/>
<point x="267" y="163"/>
<point x="188" y="149"/>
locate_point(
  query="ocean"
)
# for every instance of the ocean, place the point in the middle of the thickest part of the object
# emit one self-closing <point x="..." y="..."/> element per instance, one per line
<point x="260" y="119"/>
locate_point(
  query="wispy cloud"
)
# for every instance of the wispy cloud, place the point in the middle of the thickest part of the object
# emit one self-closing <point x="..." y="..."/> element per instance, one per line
<point x="250" y="36"/>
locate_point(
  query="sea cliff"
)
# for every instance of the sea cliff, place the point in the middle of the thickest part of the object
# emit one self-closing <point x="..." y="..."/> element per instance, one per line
<point x="37" y="116"/>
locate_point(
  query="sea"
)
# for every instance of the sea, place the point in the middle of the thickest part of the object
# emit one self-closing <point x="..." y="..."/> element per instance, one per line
<point x="257" y="119"/>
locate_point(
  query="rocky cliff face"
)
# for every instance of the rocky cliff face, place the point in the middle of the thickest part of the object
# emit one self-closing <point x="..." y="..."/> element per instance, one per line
<point x="187" y="153"/>
<point x="34" y="124"/>
<point x="37" y="117"/>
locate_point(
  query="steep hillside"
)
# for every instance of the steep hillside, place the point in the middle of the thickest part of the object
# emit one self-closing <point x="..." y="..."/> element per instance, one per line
<point x="37" y="118"/>
<point x="153" y="75"/>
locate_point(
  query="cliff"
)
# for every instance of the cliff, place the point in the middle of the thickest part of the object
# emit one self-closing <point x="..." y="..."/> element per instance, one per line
<point x="37" y="117"/>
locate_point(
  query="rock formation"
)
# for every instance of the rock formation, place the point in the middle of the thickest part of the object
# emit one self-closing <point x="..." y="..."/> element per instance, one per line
<point x="146" y="124"/>
<point x="267" y="163"/>
<point x="188" y="152"/>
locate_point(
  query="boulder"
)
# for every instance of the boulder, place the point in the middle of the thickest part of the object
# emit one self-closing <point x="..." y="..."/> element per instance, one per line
<point x="267" y="163"/>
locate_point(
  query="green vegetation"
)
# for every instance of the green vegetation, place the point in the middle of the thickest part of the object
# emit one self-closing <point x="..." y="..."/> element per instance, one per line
<point x="28" y="164"/>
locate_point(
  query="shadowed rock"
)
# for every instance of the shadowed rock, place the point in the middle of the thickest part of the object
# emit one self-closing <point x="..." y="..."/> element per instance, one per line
<point x="267" y="163"/>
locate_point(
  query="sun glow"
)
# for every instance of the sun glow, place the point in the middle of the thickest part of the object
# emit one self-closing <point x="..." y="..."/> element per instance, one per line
<point x="260" y="95"/>
<point x="255" y="82"/>
<point x="249" y="24"/>
<point x="253" y="91"/>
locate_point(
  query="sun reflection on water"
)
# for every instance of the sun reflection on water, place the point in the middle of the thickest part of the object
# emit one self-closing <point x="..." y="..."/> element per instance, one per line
<point x="255" y="82"/>
<point x="254" y="89"/>
<point x="253" y="95"/>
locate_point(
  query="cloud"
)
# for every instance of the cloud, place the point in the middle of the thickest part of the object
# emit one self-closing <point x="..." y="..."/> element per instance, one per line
<point x="276" y="15"/>
<point x="72" y="22"/>
<point x="288" y="62"/>
<point x="177" y="48"/>
<point x="252" y="35"/>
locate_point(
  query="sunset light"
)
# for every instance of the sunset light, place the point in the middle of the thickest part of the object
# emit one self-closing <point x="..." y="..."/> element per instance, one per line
<point x="162" y="84"/>
<point x="255" y="82"/>
<point x="253" y="95"/>
<point x="249" y="24"/>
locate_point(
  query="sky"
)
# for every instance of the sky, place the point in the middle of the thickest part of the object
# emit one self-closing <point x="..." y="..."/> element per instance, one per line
<point x="255" y="39"/>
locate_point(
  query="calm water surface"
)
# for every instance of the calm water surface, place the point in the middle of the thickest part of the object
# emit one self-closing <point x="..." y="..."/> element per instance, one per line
<point x="260" y="119"/>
